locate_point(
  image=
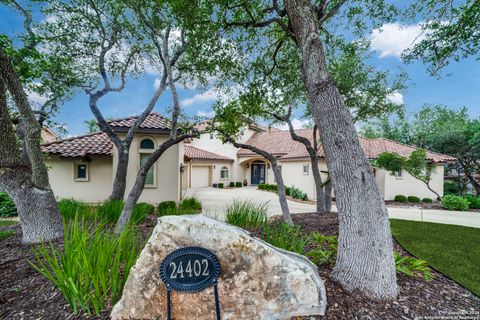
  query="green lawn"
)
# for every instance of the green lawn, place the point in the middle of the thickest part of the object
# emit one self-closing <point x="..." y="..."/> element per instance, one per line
<point x="4" y="223"/>
<point x="452" y="250"/>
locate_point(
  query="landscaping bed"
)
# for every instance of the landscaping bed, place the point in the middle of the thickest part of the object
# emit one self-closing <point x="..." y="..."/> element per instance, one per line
<point x="417" y="298"/>
<point x="25" y="294"/>
<point x="424" y="205"/>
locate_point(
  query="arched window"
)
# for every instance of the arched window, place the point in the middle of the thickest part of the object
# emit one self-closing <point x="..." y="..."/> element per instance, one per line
<point x="224" y="173"/>
<point x="146" y="149"/>
<point x="147" y="144"/>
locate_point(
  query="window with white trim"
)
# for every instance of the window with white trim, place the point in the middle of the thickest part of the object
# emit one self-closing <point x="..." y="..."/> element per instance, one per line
<point x="305" y="169"/>
<point x="224" y="173"/>
<point x="81" y="172"/>
<point x="146" y="148"/>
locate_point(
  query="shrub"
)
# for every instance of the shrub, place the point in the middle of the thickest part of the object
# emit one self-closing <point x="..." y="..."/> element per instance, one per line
<point x="413" y="199"/>
<point x="238" y="184"/>
<point x="232" y="184"/>
<point x="451" y="188"/>
<point x="166" y="205"/>
<point x="271" y="187"/>
<point x="247" y="214"/>
<point x="92" y="267"/>
<point x="412" y="267"/>
<point x="220" y="185"/>
<point x="427" y="200"/>
<point x="452" y="202"/>
<point x="191" y="203"/>
<point x="297" y="193"/>
<point x="400" y="198"/>
<point x="286" y="237"/>
<point x="174" y="211"/>
<point x="474" y="201"/>
<point x="141" y="211"/>
<point x="7" y="207"/>
<point x="326" y="250"/>
<point x="261" y="186"/>
<point x="288" y="190"/>
<point x="110" y="210"/>
<point x="69" y="208"/>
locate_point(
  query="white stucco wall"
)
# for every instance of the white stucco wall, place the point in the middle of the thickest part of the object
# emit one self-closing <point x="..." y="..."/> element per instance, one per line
<point x="389" y="184"/>
<point x="409" y="186"/>
<point x="62" y="179"/>
<point x="215" y="145"/>
<point x="167" y="174"/>
<point x="292" y="173"/>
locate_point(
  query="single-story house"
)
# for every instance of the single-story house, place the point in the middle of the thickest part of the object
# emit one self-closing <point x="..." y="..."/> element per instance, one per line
<point x="83" y="167"/>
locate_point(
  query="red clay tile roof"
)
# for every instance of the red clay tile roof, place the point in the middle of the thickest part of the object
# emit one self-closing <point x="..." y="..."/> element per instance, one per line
<point x="153" y="121"/>
<point x="277" y="142"/>
<point x="200" y="154"/>
<point x="202" y="126"/>
<point x="281" y="144"/>
<point x="48" y="135"/>
<point x="374" y="147"/>
<point x="94" y="144"/>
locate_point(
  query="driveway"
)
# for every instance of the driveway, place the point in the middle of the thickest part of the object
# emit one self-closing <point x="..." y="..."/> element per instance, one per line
<point x="215" y="201"/>
<point x="461" y="218"/>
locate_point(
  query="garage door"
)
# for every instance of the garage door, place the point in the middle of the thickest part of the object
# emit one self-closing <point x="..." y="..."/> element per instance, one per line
<point x="200" y="176"/>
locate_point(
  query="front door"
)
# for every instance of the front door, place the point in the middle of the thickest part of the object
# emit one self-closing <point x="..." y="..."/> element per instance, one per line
<point x="258" y="173"/>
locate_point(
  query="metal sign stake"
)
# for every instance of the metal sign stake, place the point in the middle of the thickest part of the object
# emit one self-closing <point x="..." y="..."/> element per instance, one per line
<point x="190" y="269"/>
<point x="217" y="303"/>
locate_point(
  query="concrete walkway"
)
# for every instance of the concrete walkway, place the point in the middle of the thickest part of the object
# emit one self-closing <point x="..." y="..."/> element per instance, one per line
<point x="215" y="201"/>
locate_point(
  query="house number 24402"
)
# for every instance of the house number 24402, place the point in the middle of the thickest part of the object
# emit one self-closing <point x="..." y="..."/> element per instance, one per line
<point x="196" y="268"/>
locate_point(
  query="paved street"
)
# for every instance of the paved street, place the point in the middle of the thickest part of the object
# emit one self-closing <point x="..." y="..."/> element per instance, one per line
<point x="215" y="201"/>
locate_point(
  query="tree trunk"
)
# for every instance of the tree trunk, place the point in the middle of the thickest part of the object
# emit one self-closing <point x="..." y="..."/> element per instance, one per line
<point x="120" y="181"/>
<point x="319" y="190"/>
<point x="313" y="154"/>
<point x="282" y="196"/>
<point x="365" y="252"/>
<point x="137" y="188"/>
<point x="31" y="128"/>
<point x="328" y="195"/>
<point x="37" y="208"/>
<point x="439" y="197"/>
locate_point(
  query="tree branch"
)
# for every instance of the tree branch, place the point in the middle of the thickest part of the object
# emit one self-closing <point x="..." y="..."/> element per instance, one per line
<point x="332" y="12"/>
<point x="27" y="23"/>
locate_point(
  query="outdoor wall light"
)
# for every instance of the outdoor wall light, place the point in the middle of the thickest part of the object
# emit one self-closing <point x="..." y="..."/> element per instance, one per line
<point x="182" y="167"/>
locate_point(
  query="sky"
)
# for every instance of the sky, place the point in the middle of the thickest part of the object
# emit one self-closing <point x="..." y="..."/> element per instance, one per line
<point x="458" y="86"/>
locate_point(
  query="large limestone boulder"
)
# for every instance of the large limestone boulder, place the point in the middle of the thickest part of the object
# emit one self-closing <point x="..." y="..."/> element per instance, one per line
<point x="257" y="280"/>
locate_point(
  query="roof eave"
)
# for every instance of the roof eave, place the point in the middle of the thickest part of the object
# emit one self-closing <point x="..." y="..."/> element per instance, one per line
<point x="143" y="130"/>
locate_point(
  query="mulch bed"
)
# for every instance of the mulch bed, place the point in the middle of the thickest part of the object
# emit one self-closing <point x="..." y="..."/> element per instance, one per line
<point x="25" y="294"/>
<point x="418" y="299"/>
